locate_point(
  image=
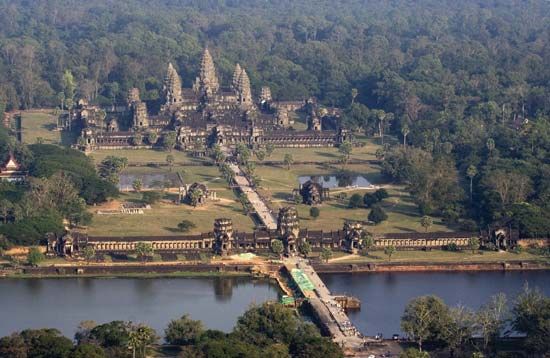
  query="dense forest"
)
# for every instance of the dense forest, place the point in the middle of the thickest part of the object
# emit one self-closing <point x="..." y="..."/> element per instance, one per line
<point x="464" y="85"/>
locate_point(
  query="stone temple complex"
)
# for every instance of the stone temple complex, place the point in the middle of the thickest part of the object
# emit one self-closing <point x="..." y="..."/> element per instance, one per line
<point x="205" y="115"/>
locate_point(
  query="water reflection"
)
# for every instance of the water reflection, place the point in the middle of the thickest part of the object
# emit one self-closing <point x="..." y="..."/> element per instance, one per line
<point x="218" y="302"/>
<point x="339" y="180"/>
<point x="384" y="295"/>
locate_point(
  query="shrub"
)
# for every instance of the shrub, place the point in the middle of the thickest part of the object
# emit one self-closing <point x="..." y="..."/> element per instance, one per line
<point x="377" y="214"/>
<point x="355" y="201"/>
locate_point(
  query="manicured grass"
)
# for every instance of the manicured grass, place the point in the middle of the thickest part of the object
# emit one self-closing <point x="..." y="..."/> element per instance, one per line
<point x="277" y="184"/>
<point x="143" y="156"/>
<point x="439" y="256"/>
<point x="42" y="124"/>
<point x="367" y="152"/>
<point x="164" y="217"/>
<point x="402" y="214"/>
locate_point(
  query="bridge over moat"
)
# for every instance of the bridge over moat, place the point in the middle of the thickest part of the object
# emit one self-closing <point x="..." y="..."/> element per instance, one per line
<point x="325" y="306"/>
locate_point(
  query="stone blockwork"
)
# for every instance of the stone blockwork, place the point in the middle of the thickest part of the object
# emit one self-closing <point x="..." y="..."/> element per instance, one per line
<point x="207" y="114"/>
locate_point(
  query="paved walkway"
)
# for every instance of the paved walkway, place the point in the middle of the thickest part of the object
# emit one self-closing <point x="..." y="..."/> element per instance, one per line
<point x="343" y="332"/>
<point x="265" y="215"/>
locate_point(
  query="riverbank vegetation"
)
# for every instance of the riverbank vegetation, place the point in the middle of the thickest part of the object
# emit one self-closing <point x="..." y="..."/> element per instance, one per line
<point x="267" y="330"/>
<point x="450" y="331"/>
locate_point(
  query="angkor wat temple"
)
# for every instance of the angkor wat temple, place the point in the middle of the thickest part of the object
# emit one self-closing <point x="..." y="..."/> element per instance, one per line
<point x="205" y="115"/>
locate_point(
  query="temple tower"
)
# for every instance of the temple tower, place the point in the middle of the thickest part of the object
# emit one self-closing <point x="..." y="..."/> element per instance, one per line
<point x="223" y="233"/>
<point x="353" y="231"/>
<point x="288" y="228"/>
<point x="236" y="76"/>
<point x="207" y="82"/>
<point x="243" y="88"/>
<point x="172" y="86"/>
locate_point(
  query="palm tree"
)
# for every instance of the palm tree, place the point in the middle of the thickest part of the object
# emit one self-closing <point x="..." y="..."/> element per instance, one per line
<point x="5" y="207"/>
<point x="471" y="172"/>
<point x="389" y="250"/>
<point x="405" y="131"/>
<point x="354" y="93"/>
<point x="426" y="222"/>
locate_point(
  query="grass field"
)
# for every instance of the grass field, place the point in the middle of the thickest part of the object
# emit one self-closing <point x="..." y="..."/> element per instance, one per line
<point x="402" y="214"/>
<point x="42" y="124"/>
<point x="367" y="152"/>
<point x="438" y="256"/>
<point x="164" y="217"/>
<point x="146" y="156"/>
<point x="277" y="184"/>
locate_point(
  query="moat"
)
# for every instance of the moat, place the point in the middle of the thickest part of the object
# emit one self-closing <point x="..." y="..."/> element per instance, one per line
<point x="63" y="303"/>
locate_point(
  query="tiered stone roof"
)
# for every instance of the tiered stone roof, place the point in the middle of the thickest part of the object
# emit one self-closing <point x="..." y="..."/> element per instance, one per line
<point x="208" y="81"/>
<point x="172" y="85"/>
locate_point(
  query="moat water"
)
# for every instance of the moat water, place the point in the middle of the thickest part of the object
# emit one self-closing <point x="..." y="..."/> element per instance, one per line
<point x="218" y="302"/>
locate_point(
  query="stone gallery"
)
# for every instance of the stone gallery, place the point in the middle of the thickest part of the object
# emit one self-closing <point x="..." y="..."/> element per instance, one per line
<point x="207" y="114"/>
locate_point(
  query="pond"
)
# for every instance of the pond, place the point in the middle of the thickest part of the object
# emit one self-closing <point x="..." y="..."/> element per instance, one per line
<point x="332" y="181"/>
<point x="149" y="181"/>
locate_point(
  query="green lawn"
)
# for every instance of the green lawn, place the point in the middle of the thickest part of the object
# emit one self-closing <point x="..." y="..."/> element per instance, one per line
<point x="367" y="152"/>
<point x="439" y="256"/>
<point x="277" y="184"/>
<point x="146" y="156"/>
<point x="42" y="124"/>
<point x="163" y="218"/>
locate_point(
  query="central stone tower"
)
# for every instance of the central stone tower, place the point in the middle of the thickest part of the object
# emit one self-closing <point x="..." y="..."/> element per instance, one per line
<point x="207" y="83"/>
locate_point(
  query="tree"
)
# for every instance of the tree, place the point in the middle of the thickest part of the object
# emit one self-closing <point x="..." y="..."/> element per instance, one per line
<point x="144" y="250"/>
<point x="141" y="337"/>
<point x="243" y="153"/>
<point x="186" y="225"/>
<point x="473" y="244"/>
<point x="269" y="149"/>
<point x="459" y="329"/>
<point x="326" y="254"/>
<point x="471" y="172"/>
<point x="183" y="331"/>
<point x="260" y="154"/>
<point x="345" y="149"/>
<point x="424" y="318"/>
<point x="531" y="315"/>
<point x="68" y="88"/>
<point x="490" y="144"/>
<point x="491" y="319"/>
<point x="88" y="253"/>
<point x="277" y="247"/>
<point x="354" y="93"/>
<point x="377" y="214"/>
<point x="314" y="212"/>
<point x="389" y="251"/>
<point x="426" y="222"/>
<point x="355" y="201"/>
<point x="367" y="241"/>
<point x="194" y="195"/>
<point x="288" y="160"/>
<point x="169" y="140"/>
<point x="5" y="208"/>
<point x="304" y="248"/>
<point x="111" y="167"/>
<point x="35" y="256"/>
<point x="152" y="137"/>
<point x="137" y="185"/>
<point x="137" y="139"/>
<point x="88" y="350"/>
<point x="151" y="197"/>
<point x="170" y="161"/>
<point x="219" y="156"/>
<point x="414" y="353"/>
<point x="405" y="132"/>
